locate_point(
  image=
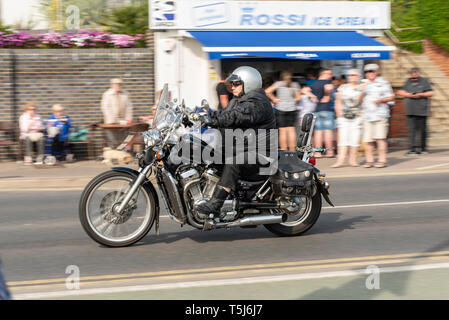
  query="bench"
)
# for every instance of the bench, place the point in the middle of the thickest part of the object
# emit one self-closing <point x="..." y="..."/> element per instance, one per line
<point x="11" y="137"/>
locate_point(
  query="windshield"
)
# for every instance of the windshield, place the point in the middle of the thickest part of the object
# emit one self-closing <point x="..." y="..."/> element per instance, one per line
<point x="163" y="110"/>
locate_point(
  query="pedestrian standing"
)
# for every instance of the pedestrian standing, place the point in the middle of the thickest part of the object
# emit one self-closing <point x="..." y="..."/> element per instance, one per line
<point x="325" y="116"/>
<point x="310" y="77"/>
<point x="416" y="91"/>
<point x="308" y="102"/>
<point x="349" y="119"/>
<point x="377" y="94"/>
<point x="287" y="94"/>
<point x="117" y="108"/>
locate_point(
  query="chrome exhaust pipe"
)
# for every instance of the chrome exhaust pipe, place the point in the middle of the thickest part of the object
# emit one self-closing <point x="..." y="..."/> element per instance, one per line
<point x="253" y="221"/>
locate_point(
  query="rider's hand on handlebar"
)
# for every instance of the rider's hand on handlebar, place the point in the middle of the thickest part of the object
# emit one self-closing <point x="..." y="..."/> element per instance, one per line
<point x="186" y="121"/>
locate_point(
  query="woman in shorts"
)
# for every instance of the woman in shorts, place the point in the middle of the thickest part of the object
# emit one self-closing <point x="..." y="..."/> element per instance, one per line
<point x="287" y="94"/>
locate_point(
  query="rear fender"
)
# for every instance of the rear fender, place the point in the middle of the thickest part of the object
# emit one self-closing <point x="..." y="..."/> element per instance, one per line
<point x="321" y="188"/>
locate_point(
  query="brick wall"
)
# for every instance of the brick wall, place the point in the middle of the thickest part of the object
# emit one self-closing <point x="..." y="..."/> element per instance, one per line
<point x="398" y="130"/>
<point x="438" y="55"/>
<point x="398" y="120"/>
<point x="75" y="78"/>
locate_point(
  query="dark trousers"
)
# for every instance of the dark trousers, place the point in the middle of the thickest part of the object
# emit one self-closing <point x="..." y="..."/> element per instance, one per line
<point x="29" y="146"/>
<point x="417" y="127"/>
<point x="233" y="172"/>
<point x="114" y="138"/>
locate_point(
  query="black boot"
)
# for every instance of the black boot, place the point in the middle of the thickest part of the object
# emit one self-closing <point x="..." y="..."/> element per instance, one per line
<point x="214" y="204"/>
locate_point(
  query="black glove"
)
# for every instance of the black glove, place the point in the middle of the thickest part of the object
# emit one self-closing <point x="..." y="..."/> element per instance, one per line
<point x="207" y="121"/>
<point x="186" y="122"/>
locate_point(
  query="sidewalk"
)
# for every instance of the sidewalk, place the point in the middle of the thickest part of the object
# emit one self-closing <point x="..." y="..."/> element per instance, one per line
<point x="74" y="176"/>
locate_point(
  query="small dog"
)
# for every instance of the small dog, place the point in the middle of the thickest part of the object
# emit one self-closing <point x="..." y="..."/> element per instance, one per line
<point x="116" y="157"/>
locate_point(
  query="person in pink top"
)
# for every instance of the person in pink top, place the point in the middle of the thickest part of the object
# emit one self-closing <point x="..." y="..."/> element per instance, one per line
<point x="31" y="131"/>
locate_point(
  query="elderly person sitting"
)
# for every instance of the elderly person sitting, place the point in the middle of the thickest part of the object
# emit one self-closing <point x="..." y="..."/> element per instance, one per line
<point x="31" y="132"/>
<point x="58" y="127"/>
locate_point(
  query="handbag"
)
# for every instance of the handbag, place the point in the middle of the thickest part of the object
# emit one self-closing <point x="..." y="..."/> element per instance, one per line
<point x="349" y="114"/>
<point x="351" y="105"/>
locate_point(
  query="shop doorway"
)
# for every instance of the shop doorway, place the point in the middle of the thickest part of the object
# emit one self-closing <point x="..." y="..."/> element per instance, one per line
<point x="270" y="68"/>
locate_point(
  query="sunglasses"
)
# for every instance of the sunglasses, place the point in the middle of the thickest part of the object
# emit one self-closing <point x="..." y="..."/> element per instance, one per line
<point x="353" y="75"/>
<point x="236" y="83"/>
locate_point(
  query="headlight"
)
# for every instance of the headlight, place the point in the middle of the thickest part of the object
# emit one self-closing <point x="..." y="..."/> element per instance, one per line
<point x="296" y="175"/>
<point x="151" y="138"/>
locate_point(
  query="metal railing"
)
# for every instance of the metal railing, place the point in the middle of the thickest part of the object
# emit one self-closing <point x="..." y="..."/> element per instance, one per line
<point x="404" y="54"/>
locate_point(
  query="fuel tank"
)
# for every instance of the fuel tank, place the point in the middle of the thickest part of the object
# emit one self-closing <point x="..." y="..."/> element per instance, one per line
<point x="196" y="148"/>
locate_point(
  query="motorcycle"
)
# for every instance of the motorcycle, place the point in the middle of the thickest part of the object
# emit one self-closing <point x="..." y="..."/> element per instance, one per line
<point x="120" y="206"/>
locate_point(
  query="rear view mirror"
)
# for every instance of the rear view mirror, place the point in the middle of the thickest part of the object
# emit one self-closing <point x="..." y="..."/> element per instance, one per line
<point x="205" y="105"/>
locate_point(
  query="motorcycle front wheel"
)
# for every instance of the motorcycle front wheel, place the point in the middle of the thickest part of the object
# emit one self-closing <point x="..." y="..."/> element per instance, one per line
<point x="300" y="221"/>
<point x="106" y="227"/>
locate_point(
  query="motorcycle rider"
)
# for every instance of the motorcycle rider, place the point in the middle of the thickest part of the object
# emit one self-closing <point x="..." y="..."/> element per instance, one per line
<point x="249" y="108"/>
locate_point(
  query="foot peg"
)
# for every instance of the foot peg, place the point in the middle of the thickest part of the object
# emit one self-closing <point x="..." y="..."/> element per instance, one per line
<point x="209" y="224"/>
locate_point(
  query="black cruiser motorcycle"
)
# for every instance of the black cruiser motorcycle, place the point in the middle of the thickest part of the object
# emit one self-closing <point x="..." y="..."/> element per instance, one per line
<point x="119" y="207"/>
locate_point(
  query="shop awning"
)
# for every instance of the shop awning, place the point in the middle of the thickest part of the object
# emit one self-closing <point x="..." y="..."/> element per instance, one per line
<point x="304" y="45"/>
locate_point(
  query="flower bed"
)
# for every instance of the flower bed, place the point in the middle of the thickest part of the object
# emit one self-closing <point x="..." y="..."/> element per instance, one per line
<point x="79" y="39"/>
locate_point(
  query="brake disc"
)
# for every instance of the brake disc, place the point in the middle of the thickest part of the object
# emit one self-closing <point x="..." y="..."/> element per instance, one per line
<point x="110" y="201"/>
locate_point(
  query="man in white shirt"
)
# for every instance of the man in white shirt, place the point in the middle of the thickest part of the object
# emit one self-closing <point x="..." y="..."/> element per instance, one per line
<point x="117" y="108"/>
<point x="377" y="95"/>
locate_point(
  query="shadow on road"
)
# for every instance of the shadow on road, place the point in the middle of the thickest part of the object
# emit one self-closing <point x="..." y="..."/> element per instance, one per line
<point x="330" y="222"/>
<point x="394" y="283"/>
<point x="392" y="161"/>
<point x="327" y="223"/>
<point x="205" y="236"/>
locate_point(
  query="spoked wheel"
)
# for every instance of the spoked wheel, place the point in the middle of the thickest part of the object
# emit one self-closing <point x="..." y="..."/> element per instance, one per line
<point x="99" y="220"/>
<point x="299" y="221"/>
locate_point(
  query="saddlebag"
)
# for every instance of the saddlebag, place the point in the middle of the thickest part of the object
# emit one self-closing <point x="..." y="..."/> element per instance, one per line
<point x="293" y="177"/>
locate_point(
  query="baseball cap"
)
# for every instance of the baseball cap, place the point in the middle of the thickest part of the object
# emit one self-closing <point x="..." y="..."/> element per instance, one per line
<point x="371" y="67"/>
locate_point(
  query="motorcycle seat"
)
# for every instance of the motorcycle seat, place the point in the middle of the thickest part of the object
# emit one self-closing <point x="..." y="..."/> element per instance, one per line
<point x="251" y="184"/>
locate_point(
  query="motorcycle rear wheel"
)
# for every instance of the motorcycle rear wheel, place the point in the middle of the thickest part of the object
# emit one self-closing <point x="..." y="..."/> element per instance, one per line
<point x="303" y="223"/>
<point x="101" y="224"/>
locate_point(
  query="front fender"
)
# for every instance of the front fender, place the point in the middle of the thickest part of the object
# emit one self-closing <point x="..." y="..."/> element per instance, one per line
<point x="148" y="186"/>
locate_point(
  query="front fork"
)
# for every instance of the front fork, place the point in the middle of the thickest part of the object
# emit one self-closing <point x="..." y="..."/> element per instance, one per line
<point x="140" y="178"/>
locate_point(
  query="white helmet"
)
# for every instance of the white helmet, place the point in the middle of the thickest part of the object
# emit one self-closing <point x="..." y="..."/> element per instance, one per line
<point x="250" y="77"/>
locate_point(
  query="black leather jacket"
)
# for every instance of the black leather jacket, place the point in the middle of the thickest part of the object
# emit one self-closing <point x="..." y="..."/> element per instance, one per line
<point x="251" y="111"/>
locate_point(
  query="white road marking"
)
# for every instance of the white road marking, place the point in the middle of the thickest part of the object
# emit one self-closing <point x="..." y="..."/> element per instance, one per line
<point x="433" y="166"/>
<point x="388" y="204"/>
<point x="221" y="282"/>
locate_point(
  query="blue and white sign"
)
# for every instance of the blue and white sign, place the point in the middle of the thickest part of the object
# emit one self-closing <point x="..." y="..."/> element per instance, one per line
<point x="163" y="13"/>
<point x="210" y="14"/>
<point x="269" y="15"/>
